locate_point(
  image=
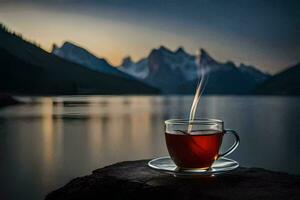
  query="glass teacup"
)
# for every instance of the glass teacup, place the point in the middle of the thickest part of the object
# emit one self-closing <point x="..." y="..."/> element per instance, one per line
<point x="199" y="147"/>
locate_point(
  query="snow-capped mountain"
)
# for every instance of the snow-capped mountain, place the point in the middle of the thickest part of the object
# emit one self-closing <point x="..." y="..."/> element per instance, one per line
<point x="164" y="72"/>
<point x="173" y="72"/>
<point x="222" y="78"/>
<point x="139" y="69"/>
<point x="213" y="65"/>
<point x="163" y="68"/>
<point x="81" y="56"/>
<point x="26" y="69"/>
<point x="177" y="72"/>
<point x="178" y="60"/>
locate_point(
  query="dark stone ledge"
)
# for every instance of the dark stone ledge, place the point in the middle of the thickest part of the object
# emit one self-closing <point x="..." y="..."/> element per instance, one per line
<point x="135" y="180"/>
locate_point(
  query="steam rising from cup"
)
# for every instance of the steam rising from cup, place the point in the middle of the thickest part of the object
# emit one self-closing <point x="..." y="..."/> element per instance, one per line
<point x="202" y="80"/>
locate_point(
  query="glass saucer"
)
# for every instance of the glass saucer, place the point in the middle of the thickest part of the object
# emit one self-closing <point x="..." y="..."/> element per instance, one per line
<point x="166" y="164"/>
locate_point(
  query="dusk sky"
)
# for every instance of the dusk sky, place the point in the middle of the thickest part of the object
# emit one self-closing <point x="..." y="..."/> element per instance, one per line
<point x="263" y="33"/>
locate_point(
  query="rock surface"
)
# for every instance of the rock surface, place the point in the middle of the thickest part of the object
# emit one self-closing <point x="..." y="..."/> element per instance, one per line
<point x="135" y="180"/>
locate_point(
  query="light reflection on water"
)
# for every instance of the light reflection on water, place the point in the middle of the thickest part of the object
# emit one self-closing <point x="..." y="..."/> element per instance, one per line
<point x="48" y="141"/>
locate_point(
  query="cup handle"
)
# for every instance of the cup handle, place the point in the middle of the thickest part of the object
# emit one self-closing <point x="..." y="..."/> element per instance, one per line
<point x="234" y="146"/>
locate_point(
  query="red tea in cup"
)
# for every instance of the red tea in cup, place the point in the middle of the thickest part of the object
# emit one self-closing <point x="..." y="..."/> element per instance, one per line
<point x="198" y="149"/>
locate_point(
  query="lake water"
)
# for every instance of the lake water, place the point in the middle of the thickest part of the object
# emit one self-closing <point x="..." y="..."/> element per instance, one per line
<point x="46" y="142"/>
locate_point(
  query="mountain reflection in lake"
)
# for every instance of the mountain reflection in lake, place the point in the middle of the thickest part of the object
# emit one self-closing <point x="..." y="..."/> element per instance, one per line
<point x="48" y="141"/>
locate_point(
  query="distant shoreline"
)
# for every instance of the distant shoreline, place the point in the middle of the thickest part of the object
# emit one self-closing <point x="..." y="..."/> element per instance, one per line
<point x="7" y="100"/>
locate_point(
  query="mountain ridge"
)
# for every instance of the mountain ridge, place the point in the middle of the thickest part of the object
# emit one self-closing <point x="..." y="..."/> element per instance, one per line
<point x="181" y="72"/>
<point x="27" y="69"/>
<point x="176" y="72"/>
<point x="80" y="55"/>
<point x="286" y="82"/>
<point x="172" y="72"/>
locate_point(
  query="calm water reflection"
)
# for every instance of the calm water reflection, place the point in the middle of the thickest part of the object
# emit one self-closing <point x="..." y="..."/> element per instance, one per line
<point x="48" y="141"/>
